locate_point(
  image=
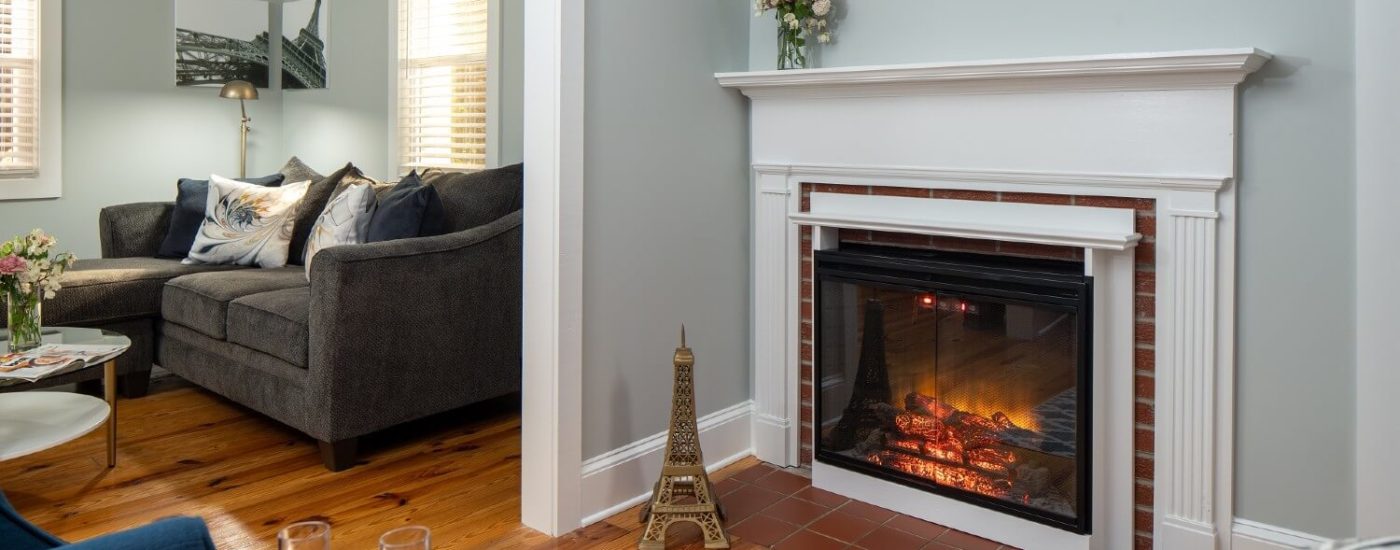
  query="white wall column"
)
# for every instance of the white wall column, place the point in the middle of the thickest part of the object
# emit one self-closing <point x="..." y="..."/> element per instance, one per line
<point x="1186" y="376"/>
<point x="551" y="415"/>
<point x="776" y="426"/>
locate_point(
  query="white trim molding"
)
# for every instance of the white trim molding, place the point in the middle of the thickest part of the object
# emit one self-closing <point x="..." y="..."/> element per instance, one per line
<point x="552" y="351"/>
<point x="622" y="478"/>
<point x="48" y="184"/>
<point x="1252" y="535"/>
<point x="1158" y="126"/>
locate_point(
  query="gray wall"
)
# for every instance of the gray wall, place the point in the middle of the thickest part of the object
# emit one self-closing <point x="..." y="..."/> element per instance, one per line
<point x="666" y="231"/>
<point x="129" y="133"/>
<point x="349" y="120"/>
<point x="1296" y="271"/>
<point x="511" y="142"/>
<point x="1377" y="140"/>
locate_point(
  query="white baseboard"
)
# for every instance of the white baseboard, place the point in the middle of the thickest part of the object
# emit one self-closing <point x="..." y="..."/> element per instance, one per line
<point x="1252" y="535"/>
<point x="622" y="478"/>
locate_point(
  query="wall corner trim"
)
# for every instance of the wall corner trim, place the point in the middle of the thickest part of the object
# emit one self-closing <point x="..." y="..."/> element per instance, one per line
<point x="623" y="477"/>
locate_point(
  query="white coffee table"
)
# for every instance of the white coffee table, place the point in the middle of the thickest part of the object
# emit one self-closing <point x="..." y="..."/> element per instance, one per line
<point x="33" y="421"/>
<point x="37" y="420"/>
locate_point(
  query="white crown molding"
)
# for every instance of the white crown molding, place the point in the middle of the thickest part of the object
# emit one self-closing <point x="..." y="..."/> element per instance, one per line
<point x="942" y="177"/>
<point x="1216" y="68"/>
<point x="1074" y="226"/>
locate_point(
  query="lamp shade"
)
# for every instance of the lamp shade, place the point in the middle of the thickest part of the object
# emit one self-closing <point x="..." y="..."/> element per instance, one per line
<point x="239" y="89"/>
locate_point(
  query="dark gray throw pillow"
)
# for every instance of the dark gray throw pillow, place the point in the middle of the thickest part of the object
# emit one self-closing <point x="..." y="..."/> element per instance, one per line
<point x="190" y="201"/>
<point x="317" y="195"/>
<point x="296" y="171"/>
<point x="409" y="210"/>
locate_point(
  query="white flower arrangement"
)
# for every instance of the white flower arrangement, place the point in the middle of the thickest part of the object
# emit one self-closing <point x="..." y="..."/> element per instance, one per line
<point x="798" y="21"/>
<point x="26" y="265"/>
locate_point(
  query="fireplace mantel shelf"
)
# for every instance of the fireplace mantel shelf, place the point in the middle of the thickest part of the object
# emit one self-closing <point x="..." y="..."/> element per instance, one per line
<point x="1040" y="235"/>
<point x="1074" y="226"/>
<point x="1161" y="70"/>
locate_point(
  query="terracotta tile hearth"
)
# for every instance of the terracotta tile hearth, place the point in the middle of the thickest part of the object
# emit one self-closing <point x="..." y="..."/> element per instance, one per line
<point x="774" y="508"/>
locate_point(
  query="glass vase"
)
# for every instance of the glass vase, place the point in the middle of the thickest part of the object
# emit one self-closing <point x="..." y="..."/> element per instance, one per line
<point x="791" y="48"/>
<point x="24" y="319"/>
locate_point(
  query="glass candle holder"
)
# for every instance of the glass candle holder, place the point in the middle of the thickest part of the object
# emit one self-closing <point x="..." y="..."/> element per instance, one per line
<point x="414" y="537"/>
<point x="306" y="535"/>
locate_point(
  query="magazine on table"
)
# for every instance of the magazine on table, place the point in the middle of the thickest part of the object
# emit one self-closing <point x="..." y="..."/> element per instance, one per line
<point x="51" y="360"/>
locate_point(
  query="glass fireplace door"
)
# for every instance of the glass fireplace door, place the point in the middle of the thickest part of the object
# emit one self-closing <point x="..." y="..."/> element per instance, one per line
<point x="973" y="396"/>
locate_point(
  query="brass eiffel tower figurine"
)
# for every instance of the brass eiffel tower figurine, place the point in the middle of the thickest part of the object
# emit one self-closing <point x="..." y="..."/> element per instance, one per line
<point x="684" y="492"/>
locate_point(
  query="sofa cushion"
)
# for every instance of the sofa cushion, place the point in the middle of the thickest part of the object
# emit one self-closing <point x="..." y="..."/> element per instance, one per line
<point x="409" y="210"/>
<point x="200" y="301"/>
<point x="113" y="289"/>
<point x="476" y="198"/>
<point x="191" y="200"/>
<point x="295" y="170"/>
<point x="274" y="323"/>
<point x="317" y="195"/>
<point x="246" y="225"/>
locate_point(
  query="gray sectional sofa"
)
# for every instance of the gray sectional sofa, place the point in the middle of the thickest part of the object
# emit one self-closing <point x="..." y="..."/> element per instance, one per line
<point x="383" y="333"/>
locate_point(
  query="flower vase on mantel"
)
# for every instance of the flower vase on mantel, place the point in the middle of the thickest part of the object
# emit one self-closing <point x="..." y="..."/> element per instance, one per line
<point x="28" y="275"/>
<point x="24" y="317"/>
<point x="799" y="22"/>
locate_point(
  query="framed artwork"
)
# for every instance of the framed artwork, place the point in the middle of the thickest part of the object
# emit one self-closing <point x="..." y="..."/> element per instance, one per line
<point x="219" y="41"/>
<point x="305" y="28"/>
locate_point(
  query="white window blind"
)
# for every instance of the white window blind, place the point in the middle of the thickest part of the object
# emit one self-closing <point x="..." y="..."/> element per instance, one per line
<point x="19" y="88"/>
<point x="442" y="84"/>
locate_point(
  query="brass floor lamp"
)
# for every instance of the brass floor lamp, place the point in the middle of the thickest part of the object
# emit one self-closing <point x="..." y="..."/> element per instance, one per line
<point x="241" y="90"/>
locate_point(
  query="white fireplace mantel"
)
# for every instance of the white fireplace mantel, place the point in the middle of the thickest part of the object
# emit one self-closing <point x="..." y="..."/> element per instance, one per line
<point x="1167" y="70"/>
<point x="1155" y="125"/>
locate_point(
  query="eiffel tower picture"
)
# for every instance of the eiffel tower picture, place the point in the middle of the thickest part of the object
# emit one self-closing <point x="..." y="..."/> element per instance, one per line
<point x="684" y="492"/>
<point x="207" y="56"/>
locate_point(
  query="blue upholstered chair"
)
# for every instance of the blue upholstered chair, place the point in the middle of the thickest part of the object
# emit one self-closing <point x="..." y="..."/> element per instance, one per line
<point x="183" y="533"/>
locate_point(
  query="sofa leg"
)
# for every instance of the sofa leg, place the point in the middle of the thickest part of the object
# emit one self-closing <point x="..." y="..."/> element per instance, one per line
<point x="135" y="384"/>
<point x="338" y="455"/>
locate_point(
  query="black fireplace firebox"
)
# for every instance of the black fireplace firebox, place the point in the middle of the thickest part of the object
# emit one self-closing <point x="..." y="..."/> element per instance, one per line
<point x="964" y="375"/>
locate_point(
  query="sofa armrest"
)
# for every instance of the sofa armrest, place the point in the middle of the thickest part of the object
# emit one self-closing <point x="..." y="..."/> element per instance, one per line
<point x="402" y="329"/>
<point x="131" y="230"/>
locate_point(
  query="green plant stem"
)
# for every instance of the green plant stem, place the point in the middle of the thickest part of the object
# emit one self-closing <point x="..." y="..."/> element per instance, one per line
<point x="24" y="319"/>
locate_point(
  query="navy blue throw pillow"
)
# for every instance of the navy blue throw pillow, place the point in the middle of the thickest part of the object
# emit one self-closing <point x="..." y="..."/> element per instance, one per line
<point x="409" y="210"/>
<point x="189" y="213"/>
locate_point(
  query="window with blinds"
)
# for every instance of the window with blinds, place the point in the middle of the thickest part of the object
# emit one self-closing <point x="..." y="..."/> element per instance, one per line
<point x="19" y="88"/>
<point x="442" y="84"/>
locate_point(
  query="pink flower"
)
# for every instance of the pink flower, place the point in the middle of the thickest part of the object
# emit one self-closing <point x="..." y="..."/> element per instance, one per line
<point x="12" y="264"/>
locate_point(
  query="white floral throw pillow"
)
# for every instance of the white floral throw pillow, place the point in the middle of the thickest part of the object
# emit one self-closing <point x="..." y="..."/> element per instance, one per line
<point x="342" y="222"/>
<point x="246" y="224"/>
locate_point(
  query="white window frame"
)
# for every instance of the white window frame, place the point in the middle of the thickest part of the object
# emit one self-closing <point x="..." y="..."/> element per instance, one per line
<point x="493" y="86"/>
<point x="48" y="183"/>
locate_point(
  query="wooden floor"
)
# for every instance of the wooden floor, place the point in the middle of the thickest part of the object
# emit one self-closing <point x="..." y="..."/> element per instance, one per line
<point x="183" y="450"/>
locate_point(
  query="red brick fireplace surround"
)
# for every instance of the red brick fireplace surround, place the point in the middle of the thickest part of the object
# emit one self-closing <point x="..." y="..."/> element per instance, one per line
<point x="1144" y="303"/>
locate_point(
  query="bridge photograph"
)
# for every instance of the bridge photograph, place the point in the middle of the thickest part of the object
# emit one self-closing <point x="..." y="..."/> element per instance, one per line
<point x="222" y="41"/>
